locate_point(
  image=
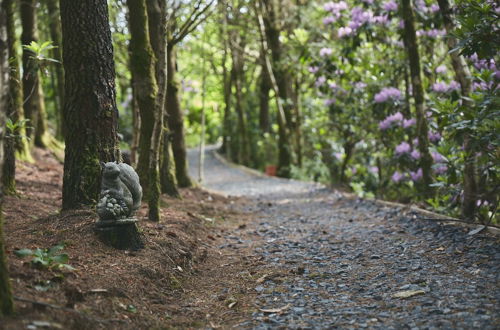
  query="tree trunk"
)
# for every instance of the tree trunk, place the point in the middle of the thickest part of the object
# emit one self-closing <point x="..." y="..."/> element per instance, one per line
<point x="157" y="34"/>
<point x="6" y="303"/>
<point x="55" y="35"/>
<point x="265" y="88"/>
<point x="90" y="111"/>
<point x="463" y="76"/>
<point x="176" y="121"/>
<point x="14" y="110"/>
<point x="142" y="65"/>
<point x="237" y="44"/>
<point x="279" y="81"/>
<point x="418" y="94"/>
<point x="34" y="105"/>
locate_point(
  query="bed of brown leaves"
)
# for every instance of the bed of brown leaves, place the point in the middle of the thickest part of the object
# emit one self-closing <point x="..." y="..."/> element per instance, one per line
<point x="180" y="279"/>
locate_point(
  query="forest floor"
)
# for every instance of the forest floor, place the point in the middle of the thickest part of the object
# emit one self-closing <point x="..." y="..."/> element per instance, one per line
<point x="250" y="252"/>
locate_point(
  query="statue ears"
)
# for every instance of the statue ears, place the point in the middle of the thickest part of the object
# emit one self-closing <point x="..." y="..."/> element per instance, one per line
<point x="103" y="165"/>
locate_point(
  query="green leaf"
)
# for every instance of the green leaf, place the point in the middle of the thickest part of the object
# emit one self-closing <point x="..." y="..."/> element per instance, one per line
<point x="23" y="253"/>
<point x="60" y="259"/>
<point x="56" y="248"/>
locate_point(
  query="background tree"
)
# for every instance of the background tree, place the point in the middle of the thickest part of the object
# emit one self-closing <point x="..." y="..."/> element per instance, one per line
<point x="15" y="141"/>
<point x="90" y="111"/>
<point x="6" y="303"/>
<point x="418" y="94"/>
<point x="157" y="16"/>
<point x="34" y="104"/>
<point x="180" y="25"/>
<point x="142" y="61"/>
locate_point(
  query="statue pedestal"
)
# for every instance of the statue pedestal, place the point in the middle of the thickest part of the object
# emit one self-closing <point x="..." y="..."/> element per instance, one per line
<point x="121" y="234"/>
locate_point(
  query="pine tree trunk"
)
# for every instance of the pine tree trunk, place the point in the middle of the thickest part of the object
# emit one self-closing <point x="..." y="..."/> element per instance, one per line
<point x="142" y="65"/>
<point x="34" y="105"/>
<point x="14" y="107"/>
<point x="418" y="94"/>
<point x="90" y="111"/>
<point x="265" y="88"/>
<point x="463" y="76"/>
<point x="157" y="32"/>
<point x="243" y="156"/>
<point x="176" y="121"/>
<point x="6" y="303"/>
<point x="285" y="158"/>
<point x="55" y="35"/>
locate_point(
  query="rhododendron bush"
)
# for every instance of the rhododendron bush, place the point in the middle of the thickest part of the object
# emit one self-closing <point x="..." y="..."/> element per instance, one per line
<point x="360" y="121"/>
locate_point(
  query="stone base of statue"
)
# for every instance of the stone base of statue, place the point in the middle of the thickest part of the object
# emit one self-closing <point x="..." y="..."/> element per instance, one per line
<point x="121" y="234"/>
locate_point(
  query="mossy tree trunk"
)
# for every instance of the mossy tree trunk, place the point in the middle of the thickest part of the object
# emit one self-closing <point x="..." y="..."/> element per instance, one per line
<point x="142" y="65"/>
<point x="264" y="89"/>
<point x="6" y="303"/>
<point x="34" y="105"/>
<point x="463" y="76"/>
<point x="237" y="43"/>
<point x="176" y="119"/>
<point x="90" y="111"/>
<point x="14" y="106"/>
<point x="157" y="34"/>
<point x="418" y="95"/>
<point x="55" y="35"/>
<point x="269" y="35"/>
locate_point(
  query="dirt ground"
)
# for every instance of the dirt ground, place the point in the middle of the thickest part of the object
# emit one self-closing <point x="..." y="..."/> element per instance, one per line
<point x="178" y="280"/>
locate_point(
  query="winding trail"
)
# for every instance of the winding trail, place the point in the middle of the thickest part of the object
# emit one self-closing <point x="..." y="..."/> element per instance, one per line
<point x="335" y="261"/>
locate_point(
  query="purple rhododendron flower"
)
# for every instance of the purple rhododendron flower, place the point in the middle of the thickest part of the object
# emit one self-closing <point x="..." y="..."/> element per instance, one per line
<point x="313" y="69"/>
<point x="390" y="5"/>
<point x="409" y="122"/>
<point x="434" y="8"/>
<point x="387" y="93"/>
<point x="335" y="7"/>
<point x="415" y="176"/>
<point x="333" y="85"/>
<point x="338" y="155"/>
<point x="441" y="69"/>
<point x="434" y="136"/>
<point x="415" y="141"/>
<point x="320" y="81"/>
<point x="329" y="102"/>
<point x="397" y="176"/>
<point x="360" y="85"/>
<point x="344" y="31"/>
<point x="437" y="157"/>
<point x="384" y="124"/>
<point x="383" y="19"/>
<point x="440" y="169"/>
<point x="415" y="154"/>
<point x="373" y="169"/>
<point x="453" y="86"/>
<point x="440" y="87"/>
<point x="325" y="52"/>
<point x="403" y="148"/>
<point x="329" y="20"/>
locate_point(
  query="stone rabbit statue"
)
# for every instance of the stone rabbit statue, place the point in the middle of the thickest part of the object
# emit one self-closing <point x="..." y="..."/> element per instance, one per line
<point x="121" y="192"/>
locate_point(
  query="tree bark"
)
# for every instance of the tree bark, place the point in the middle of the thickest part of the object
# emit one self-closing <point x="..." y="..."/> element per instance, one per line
<point x="265" y="88"/>
<point x="6" y="303"/>
<point x="284" y="145"/>
<point x="55" y="35"/>
<point x="142" y="65"/>
<point x="14" y="110"/>
<point x="176" y="120"/>
<point x="157" y="34"/>
<point x="463" y="76"/>
<point x="34" y="105"/>
<point x="418" y="95"/>
<point x="243" y="156"/>
<point x="90" y="111"/>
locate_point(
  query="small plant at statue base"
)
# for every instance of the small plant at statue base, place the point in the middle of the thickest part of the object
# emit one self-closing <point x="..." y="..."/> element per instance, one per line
<point x="46" y="258"/>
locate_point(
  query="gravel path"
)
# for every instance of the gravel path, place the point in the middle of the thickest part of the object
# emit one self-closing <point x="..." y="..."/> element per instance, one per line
<point x="334" y="261"/>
